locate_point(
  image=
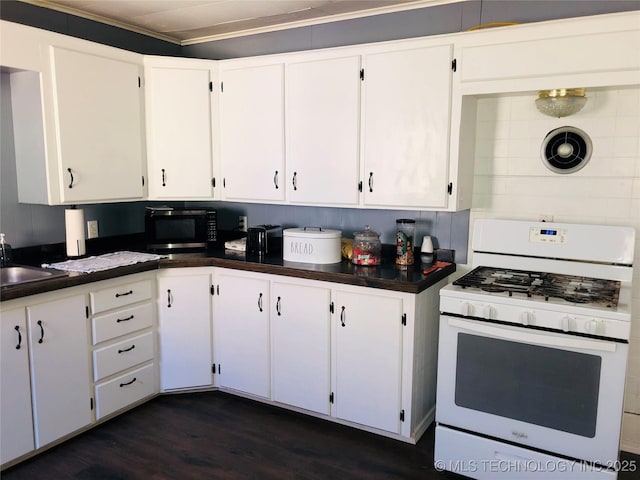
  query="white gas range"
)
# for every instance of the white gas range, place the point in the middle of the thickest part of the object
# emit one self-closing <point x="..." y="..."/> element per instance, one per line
<point x="533" y="351"/>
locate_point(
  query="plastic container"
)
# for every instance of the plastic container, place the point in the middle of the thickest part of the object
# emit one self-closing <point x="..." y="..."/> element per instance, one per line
<point x="6" y="256"/>
<point x="367" y="247"/>
<point x="405" y="233"/>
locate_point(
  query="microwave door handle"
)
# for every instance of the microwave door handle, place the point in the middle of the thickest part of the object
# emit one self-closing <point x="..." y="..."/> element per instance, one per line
<point x="522" y="335"/>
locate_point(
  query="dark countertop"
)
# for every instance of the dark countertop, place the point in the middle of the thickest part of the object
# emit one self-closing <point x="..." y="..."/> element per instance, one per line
<point x="386" y="276"/>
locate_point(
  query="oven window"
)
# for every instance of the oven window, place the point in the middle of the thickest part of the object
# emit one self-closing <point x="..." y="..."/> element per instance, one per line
<point x="183" y="229"/>
<point x="539" y="385"/>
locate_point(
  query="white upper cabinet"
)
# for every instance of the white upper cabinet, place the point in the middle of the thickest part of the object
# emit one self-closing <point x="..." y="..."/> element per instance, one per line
<point x="252" y="132"/>
<point x="596" y="51"/>
<point x="98" y="125"/>
<point x="406" y="127"/>
<point x="323" y="126"/>
<point x="179" y="118"/>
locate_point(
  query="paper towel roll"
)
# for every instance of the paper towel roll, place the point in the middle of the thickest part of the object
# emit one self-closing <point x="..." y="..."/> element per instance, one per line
<point x="74" y="227"/>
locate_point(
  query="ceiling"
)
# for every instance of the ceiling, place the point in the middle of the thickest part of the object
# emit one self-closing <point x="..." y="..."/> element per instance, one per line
<point x="193" y="21"/>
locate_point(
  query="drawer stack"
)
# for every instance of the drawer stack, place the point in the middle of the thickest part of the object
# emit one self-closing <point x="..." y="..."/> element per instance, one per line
<point x="124" y="365"/>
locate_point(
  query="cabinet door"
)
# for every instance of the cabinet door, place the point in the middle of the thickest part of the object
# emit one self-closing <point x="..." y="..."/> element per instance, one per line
<point x="98" y="104"/>
<point x="16" y="427"/>
<point x="406" y="127"/>
<point x="252" y="133"/>
<point x="179" y="131"/>
<point x="323" y="124"/>
<point x="184" y="307"/>
<point x="300" y="345"/>
<point x="368" y="359"/>
<point x="242" y="333"/>
<point x="60" y="367"/>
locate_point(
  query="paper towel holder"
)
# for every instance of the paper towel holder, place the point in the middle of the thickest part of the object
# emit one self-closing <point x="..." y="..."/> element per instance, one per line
<point x="74" y="231"/>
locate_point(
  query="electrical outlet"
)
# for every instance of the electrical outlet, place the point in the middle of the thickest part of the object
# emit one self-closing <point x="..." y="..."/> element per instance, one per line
<point x="92" y="229"/>
<point x="242" y="223"/>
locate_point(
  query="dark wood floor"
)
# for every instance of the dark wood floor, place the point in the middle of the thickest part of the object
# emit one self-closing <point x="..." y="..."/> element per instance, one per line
<point x="213" y="435"/>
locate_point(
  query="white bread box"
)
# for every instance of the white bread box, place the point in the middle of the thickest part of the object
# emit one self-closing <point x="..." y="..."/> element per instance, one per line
<point x="311" y="245"/>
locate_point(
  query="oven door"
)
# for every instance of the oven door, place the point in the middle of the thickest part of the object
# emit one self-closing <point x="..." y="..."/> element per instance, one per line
<point x="555" y="392"/>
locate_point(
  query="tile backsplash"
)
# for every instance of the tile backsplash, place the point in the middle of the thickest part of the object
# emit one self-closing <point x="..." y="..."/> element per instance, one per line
<point x="511" y="180"/>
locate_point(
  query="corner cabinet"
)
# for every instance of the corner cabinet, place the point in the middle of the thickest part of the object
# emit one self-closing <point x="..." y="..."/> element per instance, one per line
<point x="98" y="125"/>
<point x="180" y="107"/>
<point x="252" y="131"/>
<point x="406" y="125"/>
<point x="185" y="331"/>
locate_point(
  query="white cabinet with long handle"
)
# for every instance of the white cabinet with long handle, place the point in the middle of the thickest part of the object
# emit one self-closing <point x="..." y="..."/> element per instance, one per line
<point x="406" y="122"/>
<point x="301" y="344"/>
<point x="241" y="332"/>
<point x="61" y="376"/>
<point x="322" y="123"/>
<point x="16" y="425"/>
<point x="252" y="132"/>
<point x="180" y="115"/>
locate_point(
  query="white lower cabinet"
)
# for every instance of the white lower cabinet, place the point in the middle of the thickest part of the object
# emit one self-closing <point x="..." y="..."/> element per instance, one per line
<point x="368" y="358"/>
<point x="301" y="344"/>
<point x="362" y="356"/>
<point x="123" y="335"/>
<point x="61" y="376"/>
<point x="241" y="332"/>
<point x="184" y="311"/>
<point x="16" y="422"/>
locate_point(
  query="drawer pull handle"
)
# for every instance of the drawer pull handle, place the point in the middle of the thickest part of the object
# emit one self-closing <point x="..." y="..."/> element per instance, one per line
<point x="118" y="295"/>
<point x="278" y="307"/>
<point x="370" y="181"/>
<point x="71" y="175"/>
<point x="275" y="179"/>
<point x="342" y="317"/>
<point x="19" y="337"/>
<point x="128" y="383"/>
<point x="41" y="331"/>
<point x="260" y="302"/>
<point x="164" y="178"/>
<point x="127" y="349"/>
<point x="169" y="298"/>
<point x="130" y="317"/>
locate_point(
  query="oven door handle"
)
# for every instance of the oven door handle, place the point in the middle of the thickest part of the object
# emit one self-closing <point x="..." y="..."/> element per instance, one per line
<point x="562" y="341"/>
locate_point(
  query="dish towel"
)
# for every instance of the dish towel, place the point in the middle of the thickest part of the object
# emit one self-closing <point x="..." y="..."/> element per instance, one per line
<point x="103" y="262"/>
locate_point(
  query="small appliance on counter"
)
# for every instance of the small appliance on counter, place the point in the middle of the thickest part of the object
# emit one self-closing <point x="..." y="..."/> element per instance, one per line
<point x="264" y="240"/>
<point x="312" y="245"/>
<point x="168" y="228"/>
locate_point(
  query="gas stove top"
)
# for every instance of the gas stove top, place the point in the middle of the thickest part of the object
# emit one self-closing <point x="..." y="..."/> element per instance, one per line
<point x="593" y="292"/>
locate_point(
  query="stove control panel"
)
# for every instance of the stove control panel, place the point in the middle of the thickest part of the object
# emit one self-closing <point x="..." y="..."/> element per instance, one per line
<point x="525" y="316"/>
<point x="547" y="235"/>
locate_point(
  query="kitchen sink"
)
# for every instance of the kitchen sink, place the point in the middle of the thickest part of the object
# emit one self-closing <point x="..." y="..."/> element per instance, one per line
<point x="17" y="274"/>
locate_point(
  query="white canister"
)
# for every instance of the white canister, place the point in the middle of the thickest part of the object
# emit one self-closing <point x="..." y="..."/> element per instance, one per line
<point x="311" y="245"/>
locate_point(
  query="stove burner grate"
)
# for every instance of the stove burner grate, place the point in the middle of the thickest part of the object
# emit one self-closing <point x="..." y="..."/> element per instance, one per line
<point x="573" y="289"/>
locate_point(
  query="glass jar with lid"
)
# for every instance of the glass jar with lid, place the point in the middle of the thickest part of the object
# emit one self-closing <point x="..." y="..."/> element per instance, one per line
<point x="366" y="247"/>
<point x="406" y="229"/>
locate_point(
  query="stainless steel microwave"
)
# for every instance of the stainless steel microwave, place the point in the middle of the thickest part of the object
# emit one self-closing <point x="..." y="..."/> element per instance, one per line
<point x="180" y="229"/>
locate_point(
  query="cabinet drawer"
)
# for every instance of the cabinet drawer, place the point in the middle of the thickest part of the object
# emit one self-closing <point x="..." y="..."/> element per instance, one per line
<point x="122" y="355"/>
<point x="124" y="390"/>
<point x="119" y="296"/>
<point x="121" y="322"/>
